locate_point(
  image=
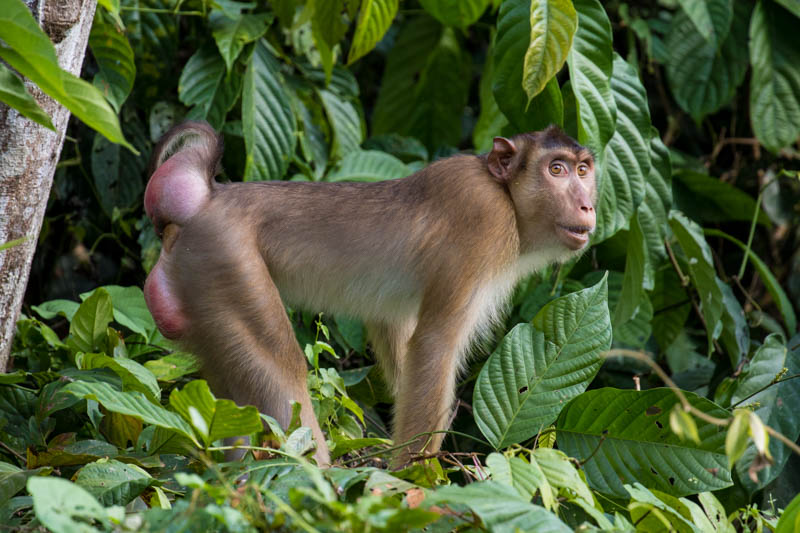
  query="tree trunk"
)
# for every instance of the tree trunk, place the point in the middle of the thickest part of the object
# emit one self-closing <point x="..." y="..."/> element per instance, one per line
<point x="28" y="156"/>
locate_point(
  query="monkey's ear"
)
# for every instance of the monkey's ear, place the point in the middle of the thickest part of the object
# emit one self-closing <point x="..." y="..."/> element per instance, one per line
<point x="499" y="160"/>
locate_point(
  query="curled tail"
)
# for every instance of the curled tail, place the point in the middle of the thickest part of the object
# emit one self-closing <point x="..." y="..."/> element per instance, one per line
<point x="182" y="170"/>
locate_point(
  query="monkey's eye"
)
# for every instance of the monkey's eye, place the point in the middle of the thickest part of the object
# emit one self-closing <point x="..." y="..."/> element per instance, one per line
<point x="583" y="169"/>
<point x="557" y="168"/>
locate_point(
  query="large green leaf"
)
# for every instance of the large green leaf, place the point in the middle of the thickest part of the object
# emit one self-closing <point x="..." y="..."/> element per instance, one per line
<point x="625" y="435"/>
<point x="114" y="56"/>
<point x="345" y="121"/>
<point x="500" y="507"/>
<point x="88" y="327"/>
<point x="328" y="21"/>
<point x="702" y="74"/>
<point x="654" y="209"/>
<point x="26" y="48"/>
<point x="134" y="376"/>
<point x="553" y="24"/>
<point x="425" y="85"/>
<point x="590" y="67"/>
<point x="205" y="84"/>
<point x="213" y="419"/>
<point x="527" y="478"/>
<point x="404" y="66"/>
<point x="113" y="482"/>
<point x="233" y="33"/>
<point x="130" y="309"/>
<point x="625" y="162"/>
<point x="778" y="405"/>
<point x="711" y="18"/>
<point x="131" y="403"/>
<point x="701" y="272"/>
<point x="513" y="35"/>
<point x="459" y="13"/>
<point x="775" y="83"/>
<point x="490" y="119"/>
<point x="368" y="165"/>
<point x="19" y="32"/>
<point x="14" y="93"/>
<point x="538" y="367"/>
<point x="708" y="199"/>
<point x="63" y="506"/>
<point x="773" y="286"/>
<point x="374" y="19"/>
<point x="117" y="175"/>
<point x="268" y="122"/>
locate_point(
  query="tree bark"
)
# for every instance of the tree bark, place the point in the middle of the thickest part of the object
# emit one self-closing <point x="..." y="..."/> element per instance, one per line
<point x="28" y="157"/>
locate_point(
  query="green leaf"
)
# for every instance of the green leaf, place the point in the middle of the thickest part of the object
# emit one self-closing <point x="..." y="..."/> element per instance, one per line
<point x="133" y="404"/>
<point x="268" y="122"/>
<point x="770" y="282"/>
<point x="735" y="336"/>
<point x="130" y="309"/>
<point x="458" y="13"/>
<point x="53" y="308"/>
<point x="490" y="119"/>
<point x="374" y="19"/>
<point x="654" y="209"/>
<point x="538" y="367"/>
<point x="368" y="165"/>
<point x="205" y="85"/>
<point x="701" y="272"/>
<point x="709" y="199"/>
<point x="655" y="511"/>
<point x="526" y="478"/>
<point x="553" y="25"/>
<point x="560" y="472"/>
<point x="499" y="507"/>
<point x="778" y="405"/>
<point x="232" y="34"/>
<point x="113" y="482"/>
<point x="89" y="325"/>
<point x="775" y="82"/>
<point x="114" y="56"/>
<point x="117" y="176"/>
<point x="625" y="435"/>
<point x="14" y="94"/>
<point x="590" y="67"/>
<point x="19" y="32"/>
<point x="702" y="75"/>
<point x="173" y="366"/>
<point x="134" y="376"/>
<point x="711" y="18"/>
<point x="328" y="22"/>
<point x="213" y="419"/>
<point x="345" y="121"/>
<point x="789" y="521"/>
<point x="405" y="63"/>
<point x="513" y="35"/>
<point x="625" y="162"/>
<point x="63" y="506"/>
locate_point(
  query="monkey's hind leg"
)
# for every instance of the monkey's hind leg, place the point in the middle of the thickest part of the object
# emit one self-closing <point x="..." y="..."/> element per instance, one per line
<point x="238" y="325"/>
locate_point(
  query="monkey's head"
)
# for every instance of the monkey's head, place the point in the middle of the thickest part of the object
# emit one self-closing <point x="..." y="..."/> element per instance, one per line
<point x="551" y="180"/>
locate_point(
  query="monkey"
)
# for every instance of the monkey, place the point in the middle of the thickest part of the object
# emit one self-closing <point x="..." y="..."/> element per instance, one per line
<point x="428" y="262"/>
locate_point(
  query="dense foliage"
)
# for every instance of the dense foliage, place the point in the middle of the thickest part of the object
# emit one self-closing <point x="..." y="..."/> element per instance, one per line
<point x="650" y="385"/>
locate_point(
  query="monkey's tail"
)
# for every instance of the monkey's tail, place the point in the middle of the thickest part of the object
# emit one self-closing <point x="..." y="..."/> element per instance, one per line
<point x="194" y="136"/>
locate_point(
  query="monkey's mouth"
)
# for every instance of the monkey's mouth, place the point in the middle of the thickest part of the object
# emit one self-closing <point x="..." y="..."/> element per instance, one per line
<point x="575" y="237"/>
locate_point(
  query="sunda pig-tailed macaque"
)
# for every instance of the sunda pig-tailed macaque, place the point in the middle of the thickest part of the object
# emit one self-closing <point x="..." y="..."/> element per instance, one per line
<point x="426" y="261"/>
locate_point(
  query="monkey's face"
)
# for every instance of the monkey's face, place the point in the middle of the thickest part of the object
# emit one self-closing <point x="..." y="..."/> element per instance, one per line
<point x="555" y="197"/>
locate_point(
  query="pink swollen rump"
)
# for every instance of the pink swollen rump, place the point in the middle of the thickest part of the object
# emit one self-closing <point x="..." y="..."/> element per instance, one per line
<point x="177" y="190"/>
<point x="163" y="303"/>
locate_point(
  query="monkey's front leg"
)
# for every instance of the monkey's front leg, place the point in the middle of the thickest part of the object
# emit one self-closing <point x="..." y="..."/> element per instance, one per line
<point x="428" y="376"/>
